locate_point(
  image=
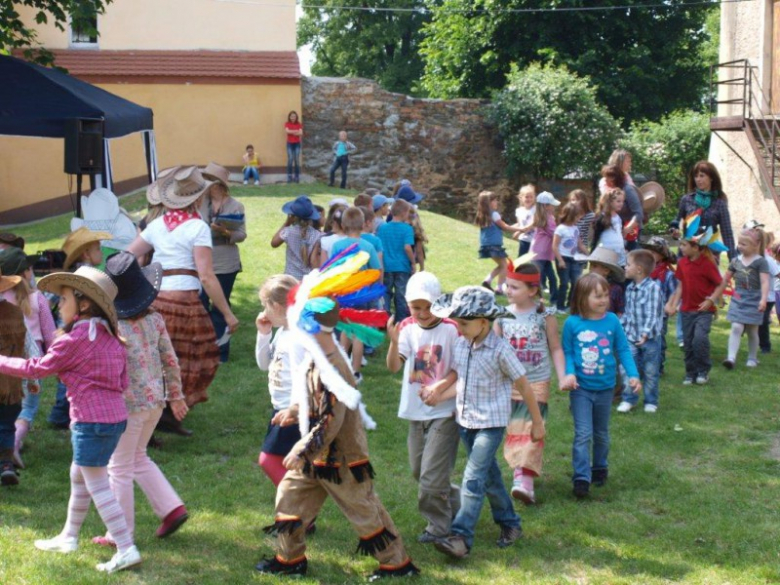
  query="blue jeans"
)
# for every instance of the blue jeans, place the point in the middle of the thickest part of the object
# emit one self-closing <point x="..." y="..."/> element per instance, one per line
<point x="548" y="278"/>
<point x="293" y="161"/>
<point x="94" y="443"/>
<point x="226" y="282"/>
<point x="648" y="361"/>
<point x="8" y="415"/>
<point x="590" y="410"/>
<point x="60" y="412"/>
<point x="395" y="283"/>
<point x="343" y="162"/>
<point x="569" y="277"/>
<point x="251" y="174"/>
<point x="524" y="247"/>
<point x="679" y="329"/>
<point x="482" y="477"/>
<point x="30" y="405"/>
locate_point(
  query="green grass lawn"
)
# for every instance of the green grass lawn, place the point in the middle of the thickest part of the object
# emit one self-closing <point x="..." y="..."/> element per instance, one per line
<point x="692" y="496"/>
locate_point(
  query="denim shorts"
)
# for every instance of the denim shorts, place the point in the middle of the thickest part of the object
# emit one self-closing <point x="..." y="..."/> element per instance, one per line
<point x="492" y="252"/>
<point x="94" y="443"/>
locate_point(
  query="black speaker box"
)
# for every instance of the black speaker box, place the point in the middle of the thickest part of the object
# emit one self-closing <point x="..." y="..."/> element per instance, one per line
<point x="83" y="146"/>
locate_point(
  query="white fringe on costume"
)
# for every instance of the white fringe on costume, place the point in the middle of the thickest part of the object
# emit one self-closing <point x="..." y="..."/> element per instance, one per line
<point x="305" y="349"/>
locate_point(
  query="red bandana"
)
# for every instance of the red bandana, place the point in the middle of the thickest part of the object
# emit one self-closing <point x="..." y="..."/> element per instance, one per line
<point x="173" y="218"/>
<point x="659" y="273"/>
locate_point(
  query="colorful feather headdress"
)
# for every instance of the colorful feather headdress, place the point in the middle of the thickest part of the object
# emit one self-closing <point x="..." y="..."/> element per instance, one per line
<point x="340" y="282"/>
<point x="694" y="231"/>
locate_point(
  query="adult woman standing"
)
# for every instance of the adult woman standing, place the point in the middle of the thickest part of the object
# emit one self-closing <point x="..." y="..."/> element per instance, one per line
<point x="181" y="243"/>
<point x="706" y="196"/>
<point x="632" y="215"/>
<point x="225" y="216"/>
<point x="294" y="130"/>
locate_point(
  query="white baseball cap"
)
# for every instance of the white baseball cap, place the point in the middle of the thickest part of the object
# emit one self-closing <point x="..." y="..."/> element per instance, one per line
<point x="547" y="198"/>
<point x="423" y="286"/>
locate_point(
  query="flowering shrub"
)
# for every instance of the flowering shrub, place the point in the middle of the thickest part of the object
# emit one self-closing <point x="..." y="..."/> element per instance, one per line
<point x="552" y="124"/>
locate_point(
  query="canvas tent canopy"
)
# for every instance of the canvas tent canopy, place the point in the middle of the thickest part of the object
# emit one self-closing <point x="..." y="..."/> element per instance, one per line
<point x="38" y="101"/>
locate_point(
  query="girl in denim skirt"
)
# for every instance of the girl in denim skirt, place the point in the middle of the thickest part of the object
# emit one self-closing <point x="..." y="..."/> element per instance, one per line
<point x="491" y="238"/>
<point x="91" y="360"/>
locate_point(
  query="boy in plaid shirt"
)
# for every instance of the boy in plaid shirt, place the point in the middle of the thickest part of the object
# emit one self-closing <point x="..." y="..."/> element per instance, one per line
<point x="643" y="322"/>
<point x="487" y="370"/>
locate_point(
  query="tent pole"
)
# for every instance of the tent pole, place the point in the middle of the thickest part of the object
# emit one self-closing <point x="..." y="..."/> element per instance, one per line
<point x="78" y="194"/>
<point x="148" y="153"/>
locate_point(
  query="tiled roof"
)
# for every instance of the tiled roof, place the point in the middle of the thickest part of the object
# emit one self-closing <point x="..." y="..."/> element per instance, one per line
<point x="213" y="66"/>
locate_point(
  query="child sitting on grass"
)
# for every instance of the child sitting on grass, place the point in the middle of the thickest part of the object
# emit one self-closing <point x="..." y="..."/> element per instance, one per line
<point x="422" y="345"/>
<point x="487" y="373"/>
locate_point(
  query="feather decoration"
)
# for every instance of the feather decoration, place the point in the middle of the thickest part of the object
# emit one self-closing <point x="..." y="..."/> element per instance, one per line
<point x="355" y="282"/>
<point x="319" y="305"/>
<point x="716" y="243"/>
<point x="327" y="286"/>
<point x="369" y="318"/>
<point x="692" y="223"/>
<point x="365" y="334"/>
<point x="349" y="264"/>
<point x="349" y="250"/>
<point x="337" y="275"/>
<point x="362" y="297"/>
<point x="308" y="323"/>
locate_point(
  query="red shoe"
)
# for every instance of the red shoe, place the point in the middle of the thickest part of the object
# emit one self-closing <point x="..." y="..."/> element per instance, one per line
<point x="172" y="522"/>
<point x="103" y="541"/>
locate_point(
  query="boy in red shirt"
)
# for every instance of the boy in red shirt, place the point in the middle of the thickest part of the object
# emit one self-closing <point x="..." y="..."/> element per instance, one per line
<point x="698" y="277"/>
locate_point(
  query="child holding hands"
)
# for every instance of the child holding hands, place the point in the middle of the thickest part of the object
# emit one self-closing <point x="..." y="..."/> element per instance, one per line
<point x="422" y="345"/>
<point x="592" y="336"/>
<point x="487" y="372"/>
<point x="491" y="238"/>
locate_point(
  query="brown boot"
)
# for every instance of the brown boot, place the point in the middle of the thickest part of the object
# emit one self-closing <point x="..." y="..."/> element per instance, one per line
<point x="8" y="474"/>
<point x="169" y="424"/>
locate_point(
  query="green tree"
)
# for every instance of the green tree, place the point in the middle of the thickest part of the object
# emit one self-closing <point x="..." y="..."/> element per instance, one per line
<point x="552" y="123"/>
<point x="16" y="34"/>
<point x="378" y="45"/>
<point x="644" y="62"/>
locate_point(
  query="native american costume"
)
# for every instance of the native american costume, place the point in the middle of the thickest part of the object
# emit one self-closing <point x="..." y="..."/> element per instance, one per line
<point x="335" y="450"/>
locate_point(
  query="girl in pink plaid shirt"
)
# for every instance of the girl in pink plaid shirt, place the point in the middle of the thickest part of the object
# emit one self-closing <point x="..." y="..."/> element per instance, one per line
<point x="91" y="360"/>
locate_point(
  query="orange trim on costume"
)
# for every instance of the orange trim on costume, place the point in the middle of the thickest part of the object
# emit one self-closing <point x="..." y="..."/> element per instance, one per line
<point x="321" y="463"/>
<point x="294" y="561"/>
<point x="356" y="463"/>
<point x="285" y="517"/>
<point x="373" y="534"/>
<point x="534" y="279"/>
<point x="396" y="567"/>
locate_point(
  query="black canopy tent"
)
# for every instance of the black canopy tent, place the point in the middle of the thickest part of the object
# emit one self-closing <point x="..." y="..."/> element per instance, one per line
<point x="38" y="101"/>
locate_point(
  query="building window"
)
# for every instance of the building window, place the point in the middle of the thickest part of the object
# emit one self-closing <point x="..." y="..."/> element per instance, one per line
<point x="84" y="31"/>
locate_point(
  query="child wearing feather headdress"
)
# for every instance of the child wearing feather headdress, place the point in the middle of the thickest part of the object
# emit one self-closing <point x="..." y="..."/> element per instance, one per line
<point x="331" y="458"/>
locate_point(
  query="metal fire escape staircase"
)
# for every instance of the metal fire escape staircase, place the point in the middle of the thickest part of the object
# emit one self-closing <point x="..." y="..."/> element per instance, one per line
<point x="738" y="104"/>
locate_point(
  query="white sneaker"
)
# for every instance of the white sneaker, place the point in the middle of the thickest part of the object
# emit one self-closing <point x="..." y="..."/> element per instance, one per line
<point x="60" y="544"/>
<point x="121" y="561"/>
<point x="246" y="182"/>
<point x="702" y="379"/>
<point x="363" y="361"/>
<point x="257" y="182"/>
<point x="625" y="407"/>
<point x="358" y="378"/>
<point x="651" y="408"/>
<point x="752" y="364"/>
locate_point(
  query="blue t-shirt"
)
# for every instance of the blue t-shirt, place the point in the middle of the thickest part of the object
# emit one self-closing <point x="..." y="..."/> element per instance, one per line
<point x="374" y="241"/>
<point x="373" y="259"/>
<point x="590" y="347"/>
<point x="395" y="235"/>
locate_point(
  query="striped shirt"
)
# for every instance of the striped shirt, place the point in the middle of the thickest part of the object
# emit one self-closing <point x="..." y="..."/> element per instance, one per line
<point x="644" y="314"/>
<point x="585" y="225"/>
<point x="95" y="372"/>
<point x="486" y="374"/>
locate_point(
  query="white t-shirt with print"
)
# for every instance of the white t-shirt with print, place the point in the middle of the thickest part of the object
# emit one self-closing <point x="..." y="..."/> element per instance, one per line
<point x="569" y="235"/>
<point x="175" y="249"/>
<point x="427" y="355"/>
<point x="524" y="218"/>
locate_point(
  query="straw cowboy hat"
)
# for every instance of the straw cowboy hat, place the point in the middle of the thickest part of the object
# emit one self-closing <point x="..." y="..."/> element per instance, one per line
<point x="8" y="282"/>
<point x="608" y="258"/>
<point x="91" y="282"/>
<point x="470" y="302"/>
<point x="153" y="190"/>
<point x="653" y="197"/>
<point x="182" y="188"/>
<point x="76" y="242"/>
<point x="138" y="287"/>
<point x="216" y="173"/>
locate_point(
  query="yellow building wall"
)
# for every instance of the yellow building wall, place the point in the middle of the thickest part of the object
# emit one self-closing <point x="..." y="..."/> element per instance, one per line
<point x="175" y="25"/>
<point x="194" y="124"/>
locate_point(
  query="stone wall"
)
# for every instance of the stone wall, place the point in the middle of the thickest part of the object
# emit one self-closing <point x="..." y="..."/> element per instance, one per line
<point x="445" y="148"/>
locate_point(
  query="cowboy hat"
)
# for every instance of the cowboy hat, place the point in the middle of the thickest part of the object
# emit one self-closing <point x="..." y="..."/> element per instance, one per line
<point x="8" y="282"/>
<point x="653" y="197"/>
<point x="91" y="282"/>
<point x="153" y="190"/>
<point x="659" y="245"/>
<point x="182" y="188"/>
<point x="138" y="287"/>
<point x="608" y="258"/>
<point x="469" y="302"/>
<point x="12" y="240"/>
<point x="302" y="208"/>
<point x="216" y="173"/>
<point x="13" y="261"/>
<point x="75" y="242"/>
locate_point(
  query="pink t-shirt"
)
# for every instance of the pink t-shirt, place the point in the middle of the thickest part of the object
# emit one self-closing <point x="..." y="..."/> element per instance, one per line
<point x="542" y="243"/>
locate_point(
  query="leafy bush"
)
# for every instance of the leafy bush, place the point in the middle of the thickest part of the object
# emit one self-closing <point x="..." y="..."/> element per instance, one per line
<point x="666" y="151"/>
<point x="552" y="124"/>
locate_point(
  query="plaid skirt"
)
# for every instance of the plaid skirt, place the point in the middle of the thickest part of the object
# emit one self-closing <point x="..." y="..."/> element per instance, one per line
<point x="194" y="341"/>
<point x="519" y="450"/>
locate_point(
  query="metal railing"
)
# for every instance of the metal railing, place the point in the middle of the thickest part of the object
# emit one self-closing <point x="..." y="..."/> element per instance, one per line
<point x="753" y="106"/>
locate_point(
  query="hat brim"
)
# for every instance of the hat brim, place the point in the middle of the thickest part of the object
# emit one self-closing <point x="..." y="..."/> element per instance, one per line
<point x="618" y="274"/>
<point x="287" y="209"/>
<point x="78" y="250"/>
<point x="153" y="190"/>
<point x="53" y="283"/>
<point x="145" y="295"/>
<point x="444" y="307"/>
<point x="8" y="282"/>
<point x="215" y="179"/>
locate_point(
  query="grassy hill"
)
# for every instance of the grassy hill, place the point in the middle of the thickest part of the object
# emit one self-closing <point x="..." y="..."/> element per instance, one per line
<point x="692" y="495"/>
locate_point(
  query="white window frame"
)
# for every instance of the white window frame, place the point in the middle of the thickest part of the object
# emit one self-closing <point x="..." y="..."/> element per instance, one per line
<point x="74" y="44"/>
